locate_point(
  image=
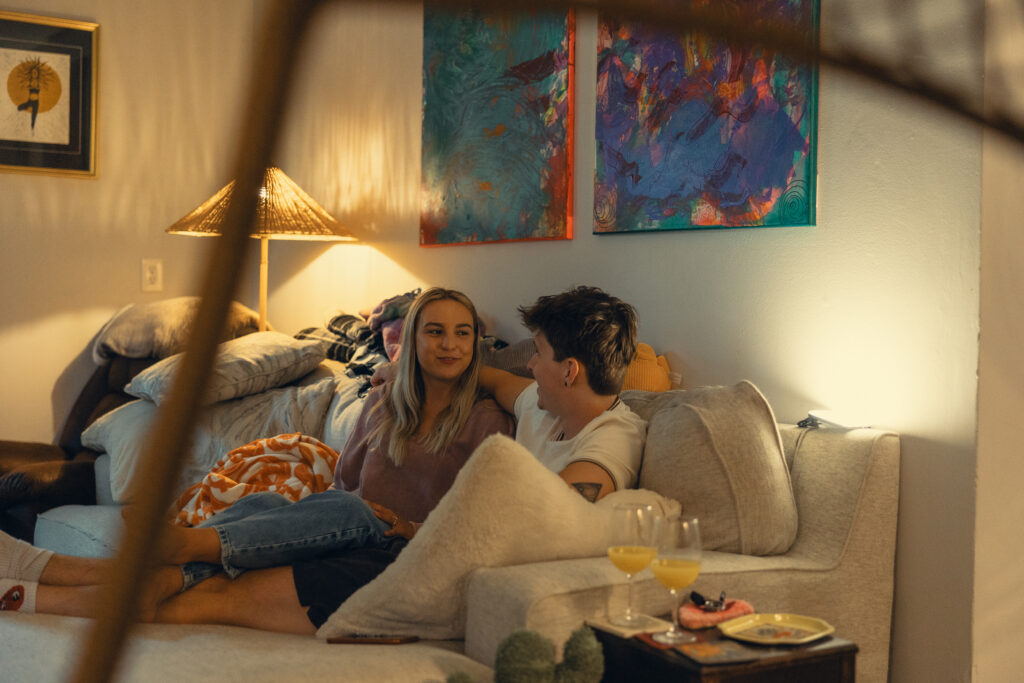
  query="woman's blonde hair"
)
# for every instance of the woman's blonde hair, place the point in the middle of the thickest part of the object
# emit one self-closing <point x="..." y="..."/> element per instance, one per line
<point x="404" y="395"/>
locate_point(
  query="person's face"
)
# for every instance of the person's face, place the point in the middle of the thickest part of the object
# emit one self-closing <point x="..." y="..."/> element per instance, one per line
<point x="548" y="372"/>
<point x="444" y="340"/>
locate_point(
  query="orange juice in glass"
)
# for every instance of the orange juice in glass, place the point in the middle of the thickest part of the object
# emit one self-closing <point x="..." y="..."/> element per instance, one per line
<point x="676" y="566"/>
<point x="631" y="550"/>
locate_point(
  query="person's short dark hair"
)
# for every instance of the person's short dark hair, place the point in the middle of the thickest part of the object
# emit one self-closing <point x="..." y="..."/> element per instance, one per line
<point x="592" y="326"/>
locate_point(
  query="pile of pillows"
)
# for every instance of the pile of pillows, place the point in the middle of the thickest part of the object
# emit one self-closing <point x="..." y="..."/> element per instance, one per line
<point x="251" y="394"/>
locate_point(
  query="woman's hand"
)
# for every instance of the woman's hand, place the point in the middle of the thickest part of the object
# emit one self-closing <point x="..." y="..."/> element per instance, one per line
<point x="383" y="373"/>
<point x="399" y="526"/>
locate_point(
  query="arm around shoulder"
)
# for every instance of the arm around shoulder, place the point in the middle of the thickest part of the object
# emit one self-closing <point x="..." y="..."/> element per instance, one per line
<point x="503" y="386"/>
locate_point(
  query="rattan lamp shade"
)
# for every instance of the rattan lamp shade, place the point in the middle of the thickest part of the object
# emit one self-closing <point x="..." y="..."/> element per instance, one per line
<point x="285" y="212"/>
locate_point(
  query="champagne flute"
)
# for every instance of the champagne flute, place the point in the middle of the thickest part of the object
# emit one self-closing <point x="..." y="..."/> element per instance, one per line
<point x="631" y="550"/>
<point x="676" y="567"/>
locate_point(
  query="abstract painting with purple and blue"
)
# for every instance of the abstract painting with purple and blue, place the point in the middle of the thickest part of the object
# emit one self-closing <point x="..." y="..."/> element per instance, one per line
<point x="497" y="126"/>
<point x="697" y="133"/>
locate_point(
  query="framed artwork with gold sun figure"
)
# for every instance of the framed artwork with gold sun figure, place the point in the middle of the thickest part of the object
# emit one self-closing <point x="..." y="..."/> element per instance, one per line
<point x="48" y="68"/>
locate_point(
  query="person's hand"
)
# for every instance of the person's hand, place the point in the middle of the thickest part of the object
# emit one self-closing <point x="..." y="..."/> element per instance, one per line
<point x="399" y="526"/>
<point x="383" y="373"/>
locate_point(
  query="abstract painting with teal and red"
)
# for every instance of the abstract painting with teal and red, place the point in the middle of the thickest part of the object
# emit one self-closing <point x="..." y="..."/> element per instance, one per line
<point x="497" y="126"/>
<point x="697" y="133"/>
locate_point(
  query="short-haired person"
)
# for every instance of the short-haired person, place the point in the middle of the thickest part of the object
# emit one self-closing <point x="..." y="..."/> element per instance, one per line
<point x="569" y="415"/>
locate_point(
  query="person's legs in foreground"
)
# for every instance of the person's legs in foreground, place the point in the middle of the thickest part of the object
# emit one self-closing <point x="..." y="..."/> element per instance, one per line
<point x="295" y="599"/>
<point x="265" y="530"/>
<point x="50" y="583"/>
<point x="265" y="599"/>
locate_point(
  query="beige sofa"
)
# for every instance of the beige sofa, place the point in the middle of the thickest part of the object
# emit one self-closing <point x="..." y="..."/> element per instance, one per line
<point x="840" y="568"/>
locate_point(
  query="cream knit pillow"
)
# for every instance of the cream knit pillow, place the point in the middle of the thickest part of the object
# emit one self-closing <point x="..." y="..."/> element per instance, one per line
<point x="504" y="508"/>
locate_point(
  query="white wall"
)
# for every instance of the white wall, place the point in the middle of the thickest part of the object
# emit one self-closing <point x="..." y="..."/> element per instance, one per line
<point x="70" y="248"/>
<point x="875" y="309"/>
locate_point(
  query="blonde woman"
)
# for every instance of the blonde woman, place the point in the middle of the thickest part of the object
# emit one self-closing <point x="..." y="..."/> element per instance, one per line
<point x="411" y="439"/>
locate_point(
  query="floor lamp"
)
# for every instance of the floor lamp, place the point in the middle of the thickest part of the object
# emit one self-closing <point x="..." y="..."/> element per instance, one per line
<point x="285" y="212"/>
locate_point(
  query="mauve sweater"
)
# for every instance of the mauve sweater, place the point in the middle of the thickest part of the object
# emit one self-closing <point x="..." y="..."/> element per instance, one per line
<point x="414" y="488"/>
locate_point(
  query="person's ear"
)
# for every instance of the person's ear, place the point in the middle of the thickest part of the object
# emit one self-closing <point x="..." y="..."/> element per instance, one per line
<point x="572" y="370"/>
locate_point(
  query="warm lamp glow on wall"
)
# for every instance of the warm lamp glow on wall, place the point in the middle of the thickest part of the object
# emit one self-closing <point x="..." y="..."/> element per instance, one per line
<point x="285" y="212"/>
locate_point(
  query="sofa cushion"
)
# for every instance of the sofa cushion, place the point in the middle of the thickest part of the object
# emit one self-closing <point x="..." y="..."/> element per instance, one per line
<point x="244" y="366"/>
<point x="504" y="508"/>
<point x="43" y="648"/>
<point x="717" y="451"/>
<point x="80" y="530"/>
<point x="511" y="358"/>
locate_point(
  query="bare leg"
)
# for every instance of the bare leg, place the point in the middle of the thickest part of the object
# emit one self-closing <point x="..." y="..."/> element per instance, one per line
<point x="72" y="601"/>
<point x="80" y="600"/>
<point x="68" y="570"/>
<point x="263" y="599"/>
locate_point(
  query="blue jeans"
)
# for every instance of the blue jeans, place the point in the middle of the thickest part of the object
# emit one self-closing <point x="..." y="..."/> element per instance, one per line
<point x="268" y="530"/>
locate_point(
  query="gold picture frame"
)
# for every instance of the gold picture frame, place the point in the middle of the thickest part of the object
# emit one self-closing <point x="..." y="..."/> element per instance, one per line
<point x="49" y="70"/>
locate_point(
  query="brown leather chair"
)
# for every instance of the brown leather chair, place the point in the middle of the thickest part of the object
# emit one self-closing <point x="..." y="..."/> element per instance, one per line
<point x="35" y="477"/>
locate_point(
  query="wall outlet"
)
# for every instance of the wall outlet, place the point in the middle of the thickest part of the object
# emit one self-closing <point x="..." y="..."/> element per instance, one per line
<point x="152" y="275"/>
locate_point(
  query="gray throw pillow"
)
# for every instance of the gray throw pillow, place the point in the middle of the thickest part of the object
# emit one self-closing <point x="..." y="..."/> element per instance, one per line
<point x="244" y="366"/>
<point x="512" y="358"/>
<point x="159" y="329"/>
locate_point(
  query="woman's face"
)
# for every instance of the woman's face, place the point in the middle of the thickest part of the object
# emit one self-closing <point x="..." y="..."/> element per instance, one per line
<point x="445" y="340"/>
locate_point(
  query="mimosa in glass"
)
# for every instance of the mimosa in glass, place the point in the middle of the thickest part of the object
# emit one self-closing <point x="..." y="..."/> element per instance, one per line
<point x="676" y="566"/>
<point x="631" y="550"/>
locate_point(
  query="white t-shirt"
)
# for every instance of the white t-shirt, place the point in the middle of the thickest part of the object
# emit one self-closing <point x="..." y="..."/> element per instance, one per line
<point x="614" y="440"/>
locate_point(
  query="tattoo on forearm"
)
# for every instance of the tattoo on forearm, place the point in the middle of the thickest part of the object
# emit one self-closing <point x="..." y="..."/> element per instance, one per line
<point x="589" y="491"/>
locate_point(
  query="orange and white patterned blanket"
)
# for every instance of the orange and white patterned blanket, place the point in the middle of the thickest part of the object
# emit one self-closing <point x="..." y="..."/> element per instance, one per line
<point x="294" y="465"/>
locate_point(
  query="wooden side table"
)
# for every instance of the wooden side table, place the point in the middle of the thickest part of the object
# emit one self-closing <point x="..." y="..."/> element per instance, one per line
<point x="630" y="660"/>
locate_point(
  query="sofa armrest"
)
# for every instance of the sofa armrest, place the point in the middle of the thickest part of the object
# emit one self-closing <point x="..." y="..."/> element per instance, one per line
<point x="846" y="482"/>
<point x="552" y="598"/>
<point x="49" y="484"/>
<point x="16" y="454"/>
<point x="29" y="489"/>
<point x="44" y="475"/>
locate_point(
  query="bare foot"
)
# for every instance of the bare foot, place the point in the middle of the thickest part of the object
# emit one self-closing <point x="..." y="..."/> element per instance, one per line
<point x="174" y="547"/>
<point x="165" y="582"/>
<point x="180" y="544"/>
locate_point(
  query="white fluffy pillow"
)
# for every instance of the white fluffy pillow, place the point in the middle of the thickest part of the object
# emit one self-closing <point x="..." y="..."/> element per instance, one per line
<point x="246" y="365"/>
<point x="122" y="433"/>
<point x="504" y="508"/>
<point x="717" y="451"/>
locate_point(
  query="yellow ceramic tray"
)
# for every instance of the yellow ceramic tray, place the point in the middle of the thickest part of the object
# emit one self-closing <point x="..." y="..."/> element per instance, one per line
<point x="776" y="629"/>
